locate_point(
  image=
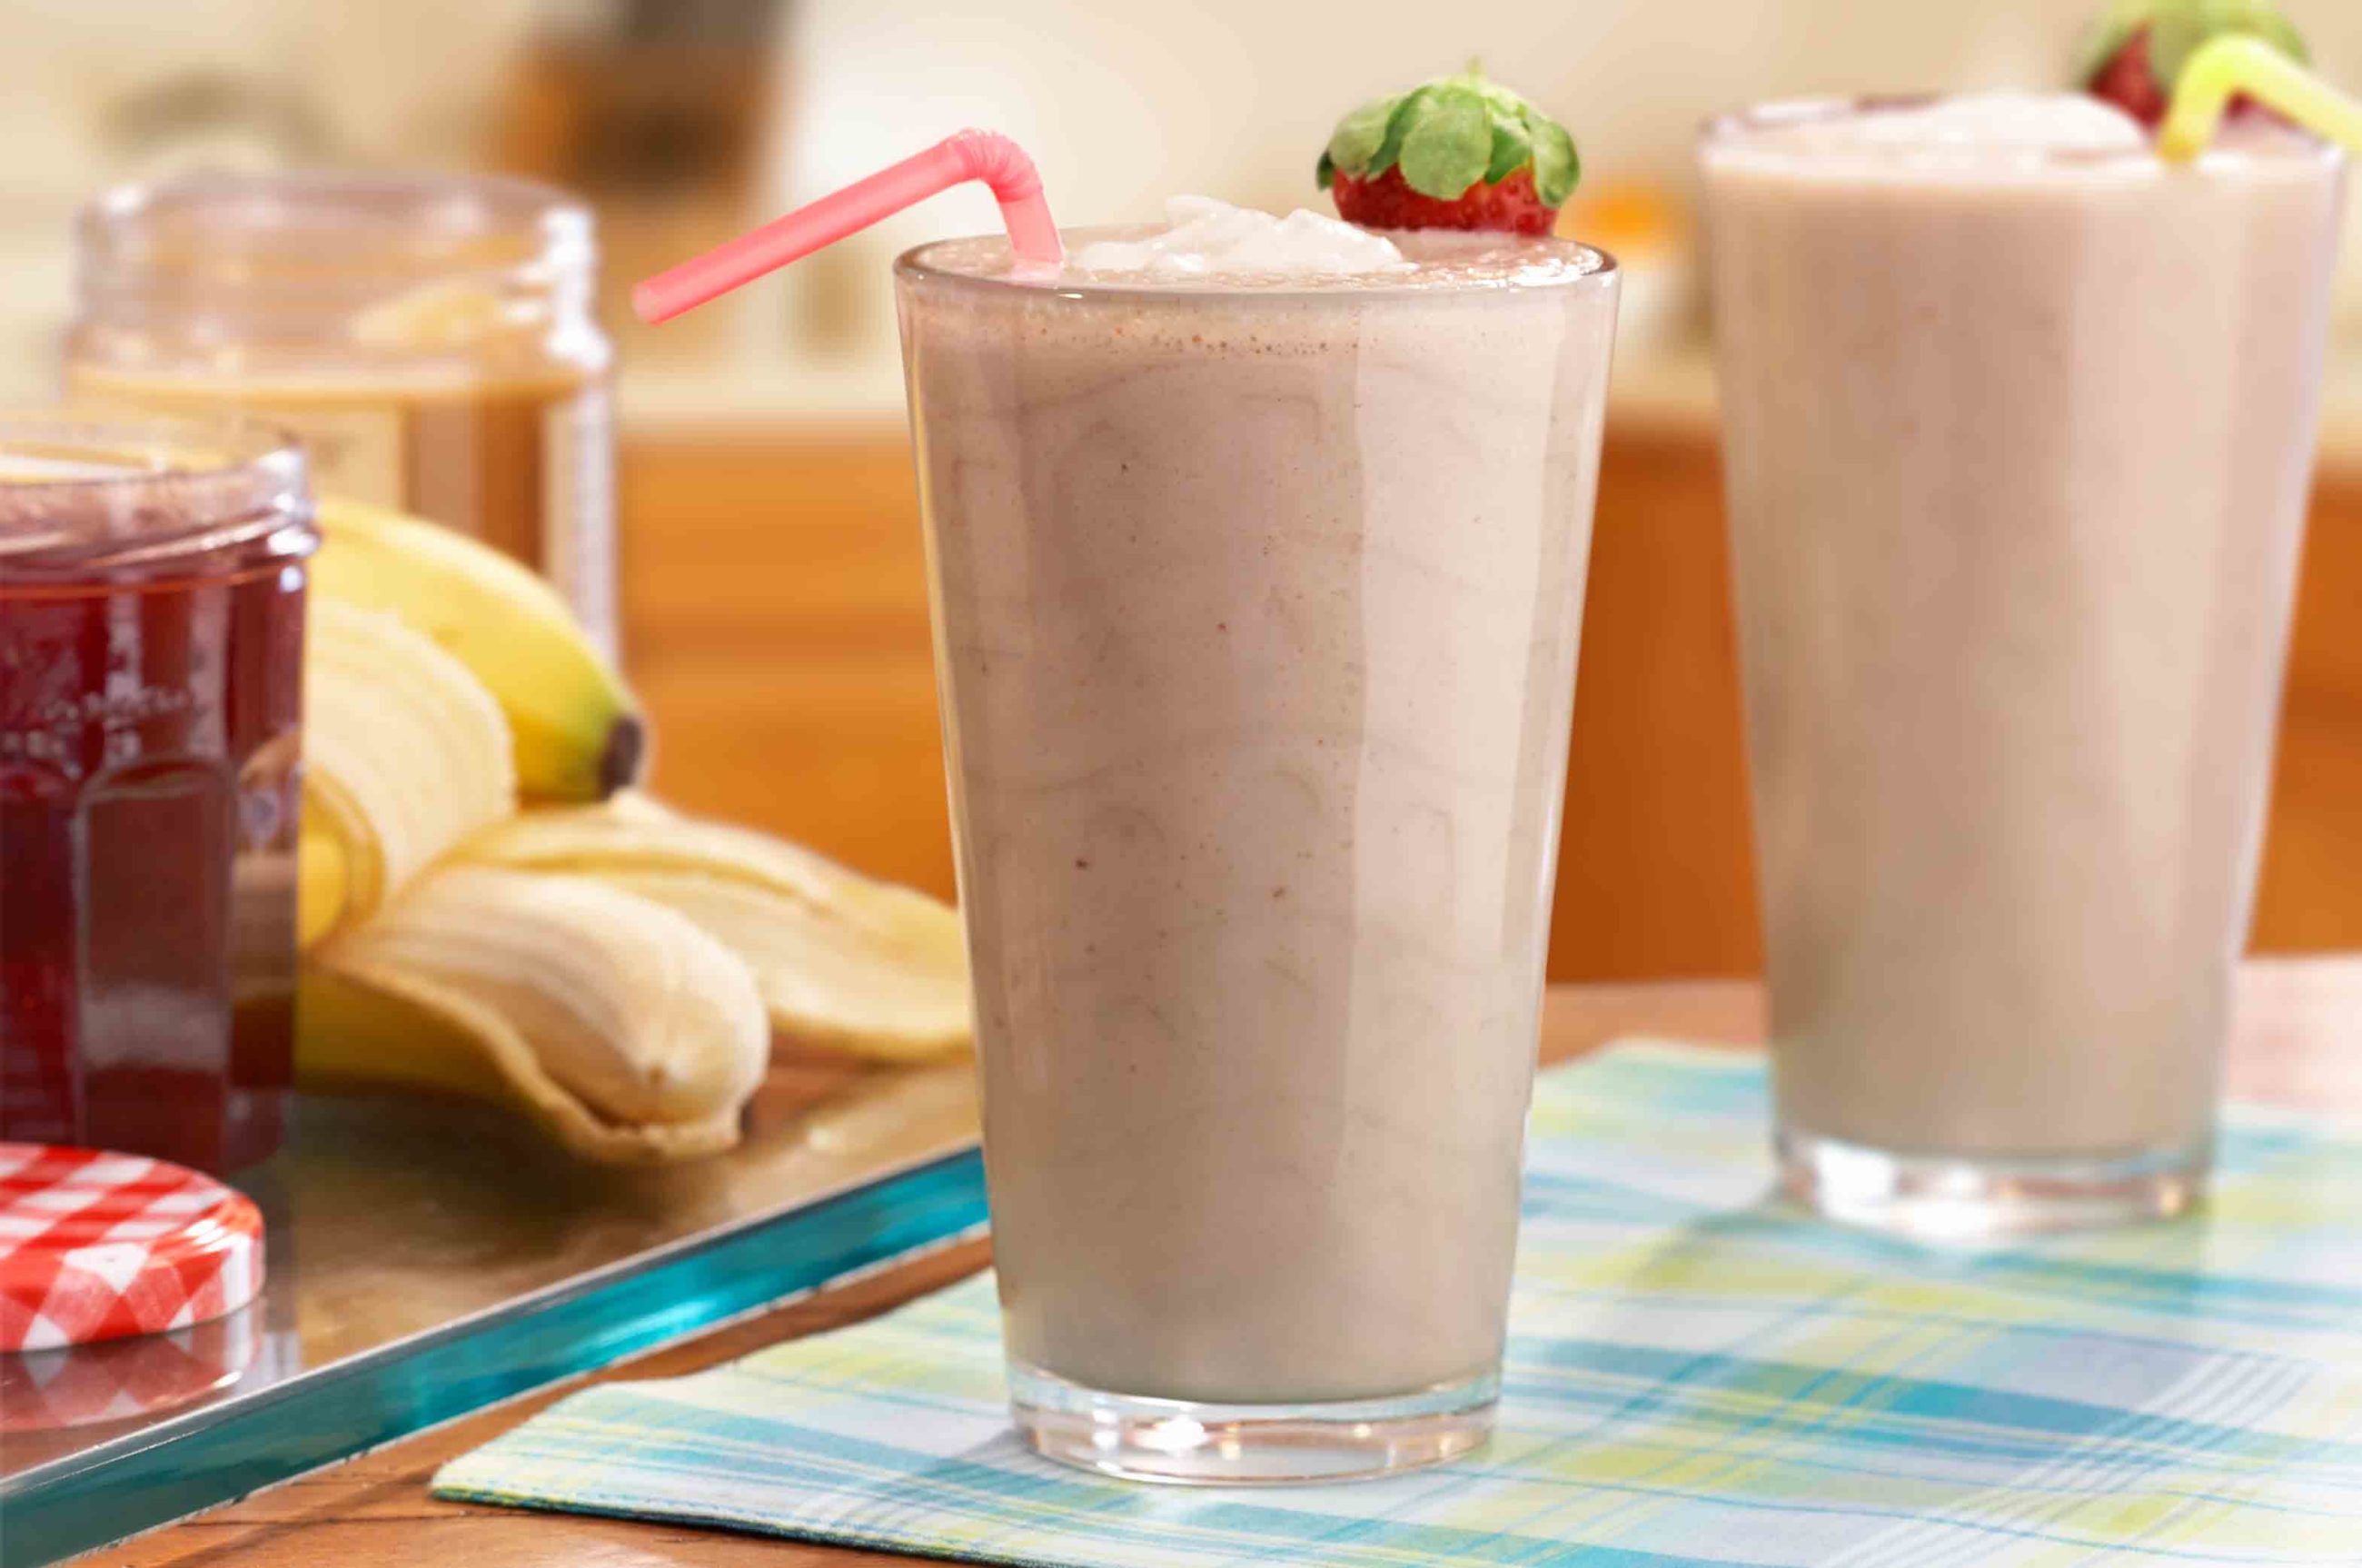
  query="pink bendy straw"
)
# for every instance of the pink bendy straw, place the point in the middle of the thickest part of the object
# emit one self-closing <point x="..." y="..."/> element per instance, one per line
<point x="964" y="155"/>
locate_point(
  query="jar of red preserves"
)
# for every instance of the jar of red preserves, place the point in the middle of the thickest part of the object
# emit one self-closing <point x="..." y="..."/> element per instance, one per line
<point x="152" y="640"/>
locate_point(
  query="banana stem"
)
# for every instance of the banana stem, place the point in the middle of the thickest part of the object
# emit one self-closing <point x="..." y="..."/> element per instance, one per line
<point x="2233" y="63"/>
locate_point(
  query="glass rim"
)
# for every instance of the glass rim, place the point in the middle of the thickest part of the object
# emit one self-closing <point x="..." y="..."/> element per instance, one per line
<point x="259" y="231"/>
<point x="913" y="265"/>
<point x="1731" y="128"/>
<point x="131" y="492"/>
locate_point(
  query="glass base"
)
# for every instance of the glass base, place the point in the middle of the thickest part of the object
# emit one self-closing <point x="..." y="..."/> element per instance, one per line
<point x="1184" y="1443"/>
<point x="1950" y="1198"/>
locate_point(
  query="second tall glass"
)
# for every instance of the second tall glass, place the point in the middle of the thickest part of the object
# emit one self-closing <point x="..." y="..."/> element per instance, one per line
<point x="2018" y="423"/>
<point x="1256" y="610"/>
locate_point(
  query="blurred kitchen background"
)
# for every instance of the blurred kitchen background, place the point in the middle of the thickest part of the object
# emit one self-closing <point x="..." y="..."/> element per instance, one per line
<point x="774" y="611"/>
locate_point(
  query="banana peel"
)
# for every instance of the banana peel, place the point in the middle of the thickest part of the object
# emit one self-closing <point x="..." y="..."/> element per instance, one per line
<point x="829" y="987"/>
<point x="578" y="732"/>
<point x="405" y="753"/>
<point x="323" y="885"/>
<point x="846" y="965"/>
<point x="351" y="1036"/>
<point x="614" y="1022"/>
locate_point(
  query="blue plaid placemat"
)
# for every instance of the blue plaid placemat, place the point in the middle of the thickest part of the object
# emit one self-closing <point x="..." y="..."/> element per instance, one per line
<point x="1694" y="1378"/>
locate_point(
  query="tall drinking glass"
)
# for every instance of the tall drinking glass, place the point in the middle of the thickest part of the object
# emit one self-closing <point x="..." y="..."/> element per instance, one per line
<point x="2018" y="427"/>
<point x="1255" y="608"/>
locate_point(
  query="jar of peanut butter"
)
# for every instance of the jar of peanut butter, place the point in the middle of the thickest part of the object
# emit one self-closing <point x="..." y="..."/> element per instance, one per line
<point x="430" y="338"/>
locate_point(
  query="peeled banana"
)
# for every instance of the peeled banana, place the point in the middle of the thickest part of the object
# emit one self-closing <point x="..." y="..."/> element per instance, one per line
<point x="404" y="753"/>
<point x="616" y="969"/>
<point x="617" y="1023"/>
<point x="845" y="964"/>
<point x="578" y="729"/>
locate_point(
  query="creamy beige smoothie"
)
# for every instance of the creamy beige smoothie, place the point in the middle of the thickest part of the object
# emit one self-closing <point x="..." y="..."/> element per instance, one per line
<point x="1257" y="598"/>
<point x="2018" y="425"/>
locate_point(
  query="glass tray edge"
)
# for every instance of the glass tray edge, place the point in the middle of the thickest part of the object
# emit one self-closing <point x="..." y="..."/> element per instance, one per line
<point x="86" y="1500"/>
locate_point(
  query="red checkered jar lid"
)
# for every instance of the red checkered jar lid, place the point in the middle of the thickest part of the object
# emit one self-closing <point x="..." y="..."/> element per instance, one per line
<point x="99" y="1246"/>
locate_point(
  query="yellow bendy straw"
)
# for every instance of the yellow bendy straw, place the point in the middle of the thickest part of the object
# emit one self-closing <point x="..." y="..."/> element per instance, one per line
<point x="2232" y="63"/>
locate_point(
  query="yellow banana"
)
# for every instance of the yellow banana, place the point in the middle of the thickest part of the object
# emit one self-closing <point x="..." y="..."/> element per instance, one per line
<point x="578" y="728"/>
<point x="845" y="964"/>
<point x="620" y="1026"/>
<point x="353" y="1036"/>
<point x="323" y="884"/>
<point x="404" y="753"/>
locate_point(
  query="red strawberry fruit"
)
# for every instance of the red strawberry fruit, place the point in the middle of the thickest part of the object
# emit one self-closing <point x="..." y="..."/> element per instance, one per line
<point x="1388" y="202"/>
<point x="1458" y="152"/>
<point x="2136" y="53"/>
<point x="2126" y="80"/>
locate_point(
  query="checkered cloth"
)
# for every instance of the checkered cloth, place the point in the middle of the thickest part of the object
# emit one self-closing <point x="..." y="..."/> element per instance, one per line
<point x="97" y="1247"/>
<point x="1694" y="1376"/>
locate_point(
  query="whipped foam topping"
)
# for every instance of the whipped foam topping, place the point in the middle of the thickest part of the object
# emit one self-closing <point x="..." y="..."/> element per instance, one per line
<point x="1204" y="237"/>
<point x="1973" y="126"/>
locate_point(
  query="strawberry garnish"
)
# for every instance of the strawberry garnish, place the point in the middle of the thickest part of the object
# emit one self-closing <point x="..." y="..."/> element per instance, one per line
<point x="2124" y="79"/>
<point x="1388" y="202"/>
<point x="1458" y="152"/>
<point x="2136" y="53"/>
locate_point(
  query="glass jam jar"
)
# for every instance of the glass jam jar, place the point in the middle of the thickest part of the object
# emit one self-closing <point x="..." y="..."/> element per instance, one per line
<point x="430" y="337"/>
<point x="152" y="651"/>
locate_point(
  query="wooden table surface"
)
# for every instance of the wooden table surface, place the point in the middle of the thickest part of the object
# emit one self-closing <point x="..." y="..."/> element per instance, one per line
<point x="2297" y="1040"/>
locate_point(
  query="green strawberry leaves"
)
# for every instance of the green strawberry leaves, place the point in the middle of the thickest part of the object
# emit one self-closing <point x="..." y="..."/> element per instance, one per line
<point x="1512" y="151"/>
<point x="1452" y="133"/>
<point x="1556" y="166"/>
<point x="1447" y="144"/>
<point x="1356" y="141"/>
<point x="2176" y="28"/>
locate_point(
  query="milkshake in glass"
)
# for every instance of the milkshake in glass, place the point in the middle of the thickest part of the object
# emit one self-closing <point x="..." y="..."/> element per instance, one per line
<point x="2018" y="428"/>
<point x="1257" y="553"/>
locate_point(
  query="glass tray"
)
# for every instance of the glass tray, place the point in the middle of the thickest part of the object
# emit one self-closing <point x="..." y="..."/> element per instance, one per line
<point x="427" y="1258"/>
